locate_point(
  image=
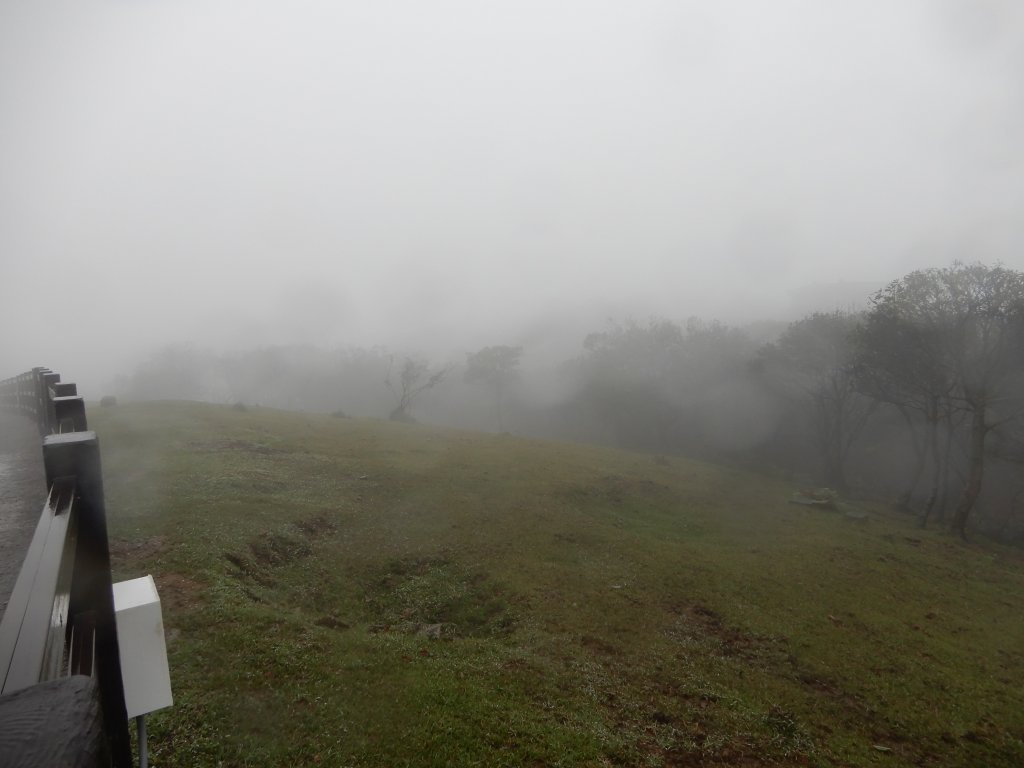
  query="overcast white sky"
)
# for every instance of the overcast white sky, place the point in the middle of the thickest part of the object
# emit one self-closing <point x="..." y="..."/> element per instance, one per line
<point x="456" y="173"/>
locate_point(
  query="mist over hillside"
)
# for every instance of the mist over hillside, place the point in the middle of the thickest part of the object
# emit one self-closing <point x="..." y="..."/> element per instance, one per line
<point x="340" y="208"/>
<point x="411" y="594"/>
<point x="908" y="400"/>
<point x="535" y="383"/>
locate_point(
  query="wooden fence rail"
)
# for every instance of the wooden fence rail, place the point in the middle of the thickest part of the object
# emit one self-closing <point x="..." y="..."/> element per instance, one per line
<point x="60" y="620"/>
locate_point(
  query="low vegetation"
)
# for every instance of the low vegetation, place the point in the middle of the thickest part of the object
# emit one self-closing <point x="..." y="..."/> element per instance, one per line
<point x="347" y="592"/>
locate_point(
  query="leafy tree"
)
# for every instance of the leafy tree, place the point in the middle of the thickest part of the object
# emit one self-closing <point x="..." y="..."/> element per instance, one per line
<point x="665" y="387"/>
<point x="414" y="379"/>
<point x="634" y="351"/>
<point x="629" y="379"/>
<point x="968" y="322"/>
<point x="494" y="367"/>
<point x="179" y="372"/>
<point x="813" y="362"/>
<point x="897" y="364"/>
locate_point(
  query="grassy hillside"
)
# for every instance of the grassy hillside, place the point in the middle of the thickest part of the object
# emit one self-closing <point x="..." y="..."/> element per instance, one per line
<point x="359" y="593"/>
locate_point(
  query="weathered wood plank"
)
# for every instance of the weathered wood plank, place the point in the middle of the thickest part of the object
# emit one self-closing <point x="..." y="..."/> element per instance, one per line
<point x="31" y="633"/>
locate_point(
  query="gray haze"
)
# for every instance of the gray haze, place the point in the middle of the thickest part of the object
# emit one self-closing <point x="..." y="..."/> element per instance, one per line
<point x="439" y="176"/>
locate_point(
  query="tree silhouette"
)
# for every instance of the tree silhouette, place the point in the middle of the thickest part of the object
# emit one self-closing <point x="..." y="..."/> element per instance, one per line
<point x="414" y="379"/>
<point x="495" y="368"/>
<point x="967" y="323"/>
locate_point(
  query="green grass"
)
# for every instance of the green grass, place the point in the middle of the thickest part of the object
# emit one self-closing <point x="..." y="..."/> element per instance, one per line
<point x="360" y="593"/>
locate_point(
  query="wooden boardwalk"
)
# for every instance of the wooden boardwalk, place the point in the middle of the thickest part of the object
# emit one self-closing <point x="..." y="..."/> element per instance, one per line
<point x="22" y="494"/>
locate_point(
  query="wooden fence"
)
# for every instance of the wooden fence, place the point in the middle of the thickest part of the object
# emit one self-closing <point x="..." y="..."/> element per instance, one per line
<point x="59" y="620"/>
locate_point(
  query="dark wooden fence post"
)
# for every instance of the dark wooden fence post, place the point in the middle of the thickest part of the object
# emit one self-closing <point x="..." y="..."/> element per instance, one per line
<point x="44" y="408"/>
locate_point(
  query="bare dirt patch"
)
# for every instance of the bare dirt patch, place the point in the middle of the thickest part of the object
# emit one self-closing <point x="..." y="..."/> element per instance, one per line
<point x="135" y="551"/>
<point x="331" y="622"/>
<point x="418" y="593"/>
<point x="317" y="525"/>
<point x="599" y="645"/>
<point x="178" y="592"/>
<point x="734" y="641"/>
<point x="277" y="549"/>
<point x="248" y="570"/>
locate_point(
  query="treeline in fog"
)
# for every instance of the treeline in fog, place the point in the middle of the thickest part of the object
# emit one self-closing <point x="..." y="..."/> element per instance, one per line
<point x="919" y="399"/>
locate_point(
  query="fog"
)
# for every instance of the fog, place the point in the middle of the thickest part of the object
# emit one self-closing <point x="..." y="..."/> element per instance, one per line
<point x="440" y="176"/>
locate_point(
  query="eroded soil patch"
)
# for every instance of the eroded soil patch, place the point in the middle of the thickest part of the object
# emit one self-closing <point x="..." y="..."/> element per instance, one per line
<point x="122" y="552"/>
<point x="699" y="623"/>
<point x="436" y="597"/>
<point x="179" y="592"/>
<point x="276" y="549"/>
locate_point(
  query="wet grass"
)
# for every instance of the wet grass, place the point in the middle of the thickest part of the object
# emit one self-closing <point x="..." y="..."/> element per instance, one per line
<point x="360" y="593"/>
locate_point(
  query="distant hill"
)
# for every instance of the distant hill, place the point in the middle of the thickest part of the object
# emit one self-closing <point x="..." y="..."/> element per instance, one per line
<point x="360" y="593"/>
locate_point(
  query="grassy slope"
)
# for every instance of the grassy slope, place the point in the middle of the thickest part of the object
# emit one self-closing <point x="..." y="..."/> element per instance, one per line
<point x="596" y="607"/>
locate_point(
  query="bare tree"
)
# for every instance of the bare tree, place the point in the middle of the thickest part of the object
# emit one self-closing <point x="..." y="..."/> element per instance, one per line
<point x="414" y="379"/>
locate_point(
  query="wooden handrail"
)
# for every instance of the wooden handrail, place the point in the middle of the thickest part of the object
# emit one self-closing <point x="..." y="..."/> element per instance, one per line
<point x="36" y="619"/>
<point x="60" y="617"/>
